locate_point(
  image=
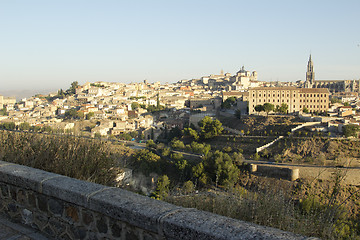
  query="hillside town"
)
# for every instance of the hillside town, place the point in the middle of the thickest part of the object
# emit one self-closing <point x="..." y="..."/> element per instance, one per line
<point x="149" y="109"/>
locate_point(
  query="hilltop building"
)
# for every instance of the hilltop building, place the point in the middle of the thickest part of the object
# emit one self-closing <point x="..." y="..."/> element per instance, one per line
<point x="310" y="74"/>
<point x="242" y="80"/>
<point x="334" y="86"/>
<point x="296" y="98"/>
<point x="6" y="101"/>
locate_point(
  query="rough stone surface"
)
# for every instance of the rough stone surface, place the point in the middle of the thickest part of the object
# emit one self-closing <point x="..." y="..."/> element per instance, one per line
<point x="66" y="208"/>
<point x="26" y="177"/>
<point x="56" y="207"/>
<point x="71" y="190"/>
<point x="194" y="224"/>
<point x="132" y="208"/>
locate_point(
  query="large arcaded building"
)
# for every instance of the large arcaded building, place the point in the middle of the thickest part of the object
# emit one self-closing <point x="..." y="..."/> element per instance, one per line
<point x="314" y="99"/>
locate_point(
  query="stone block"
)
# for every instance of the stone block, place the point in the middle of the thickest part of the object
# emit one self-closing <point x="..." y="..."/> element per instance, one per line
<point x="4" y="191"/>
<point x="71" y="190"/>
<point x="87" y="217"/>
<point x="116" y="229"/>
<point x="31" y="199"/>
<point x="131" y="208"/>
<point x="194" y="224"/>
<point x="56" y="207"/>
<point x="42" y="203"/>
<point x="72" y="213"/>
<point x="102" y="225"/>
<point x="26" y="177"/>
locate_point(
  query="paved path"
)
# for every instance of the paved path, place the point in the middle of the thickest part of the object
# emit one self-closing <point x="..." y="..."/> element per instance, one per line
<point x="13" y="231"/>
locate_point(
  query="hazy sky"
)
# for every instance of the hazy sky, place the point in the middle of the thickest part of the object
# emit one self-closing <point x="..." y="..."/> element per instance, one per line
<point x="49" y="44"/>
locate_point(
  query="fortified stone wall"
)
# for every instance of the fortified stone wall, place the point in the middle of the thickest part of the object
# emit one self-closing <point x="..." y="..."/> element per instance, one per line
<point x="66" y="208"/>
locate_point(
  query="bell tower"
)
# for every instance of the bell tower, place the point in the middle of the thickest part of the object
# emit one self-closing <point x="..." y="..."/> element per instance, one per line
<point x="310" y="74"/>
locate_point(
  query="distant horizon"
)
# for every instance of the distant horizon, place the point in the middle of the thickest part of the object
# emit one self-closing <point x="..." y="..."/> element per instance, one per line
<point x="49" y="44"/>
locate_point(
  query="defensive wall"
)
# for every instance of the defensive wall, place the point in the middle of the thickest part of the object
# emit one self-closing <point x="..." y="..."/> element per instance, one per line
<point x="66" y="208"/>
<point x="290" y="174"/>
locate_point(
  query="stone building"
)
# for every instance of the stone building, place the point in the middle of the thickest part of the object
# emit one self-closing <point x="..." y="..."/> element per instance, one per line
<point x="5" y="101"/>
<point x="242" y="80"/>
<point x="334" y="86"/>
<point x="296" y="98"/>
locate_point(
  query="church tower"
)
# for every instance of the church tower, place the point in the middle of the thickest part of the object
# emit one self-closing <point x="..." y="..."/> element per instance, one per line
<point x="310" y="74"/>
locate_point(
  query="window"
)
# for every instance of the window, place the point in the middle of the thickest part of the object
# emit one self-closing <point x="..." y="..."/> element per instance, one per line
<point x="321" y="95"/>
<point x="300" y="95"/>
<point x="287" y="95"/>
<point x="273" y="95"/>
<point x="278" y="100"/>
<point x="259" y="100"/>
<point x="253" y="95"/>
<point x="307" y="95"/>
<point x="294" y="106"/>
<point x="310" y="95"/>
<point x="294" y="100"/>
<point x="300" y="100"/>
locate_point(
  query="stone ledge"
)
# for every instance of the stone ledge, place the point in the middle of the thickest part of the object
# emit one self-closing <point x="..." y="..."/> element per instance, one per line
<point x="161" y="218"/>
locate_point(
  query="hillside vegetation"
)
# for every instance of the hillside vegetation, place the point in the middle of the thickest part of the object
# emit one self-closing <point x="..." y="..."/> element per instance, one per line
<point x="81" y="158"/>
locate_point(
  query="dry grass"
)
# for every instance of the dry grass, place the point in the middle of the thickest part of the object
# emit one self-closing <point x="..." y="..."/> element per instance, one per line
<point x="85" y="159"/>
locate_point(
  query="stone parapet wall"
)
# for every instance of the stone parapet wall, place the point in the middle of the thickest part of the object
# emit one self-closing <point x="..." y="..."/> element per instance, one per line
<point x="66" y="208"/>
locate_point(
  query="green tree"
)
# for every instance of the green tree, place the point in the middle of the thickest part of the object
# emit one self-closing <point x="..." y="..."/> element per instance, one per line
<point x="199" y="173"/>
<point x="350" y="130"/>
<point x="268" y="107"/>
<point x="220" y="169"/>
<point x="8" y="126"/>
<point x="177" y="144"/>
<point x="305" y="110"/>
<point x="166" y="152"/>
<point x="162" y="188"/>
<point x="256" y="157"/>
<point x="175" y="132"/>
<point x="229" y="102"/>
<point x="3" y="112"/>
<point x="150" y="143"/>
<point x="146" y="161"/>
<point x="74" y="114"/>
<point x="210" y="128"/>
<point x="259" y="108"/>
<point x="72" y="89"/>
<point x="191" y="132"/>
<point x="134" y="105"/>
<point x="283" y="108"/>
<point x="90" y="115"/>
<point x="188" y="187"/>
<point x="25" y="126"/>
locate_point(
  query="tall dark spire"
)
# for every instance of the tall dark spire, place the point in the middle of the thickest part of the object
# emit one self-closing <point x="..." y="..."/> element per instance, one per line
<point x="310" y="74"/>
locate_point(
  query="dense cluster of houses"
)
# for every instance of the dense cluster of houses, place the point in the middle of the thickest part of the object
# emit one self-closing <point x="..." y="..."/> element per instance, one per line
<point x="118" y="108"/>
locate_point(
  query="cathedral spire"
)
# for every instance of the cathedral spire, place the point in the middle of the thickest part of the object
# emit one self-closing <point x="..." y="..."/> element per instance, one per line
<point x="310" y="74"/>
